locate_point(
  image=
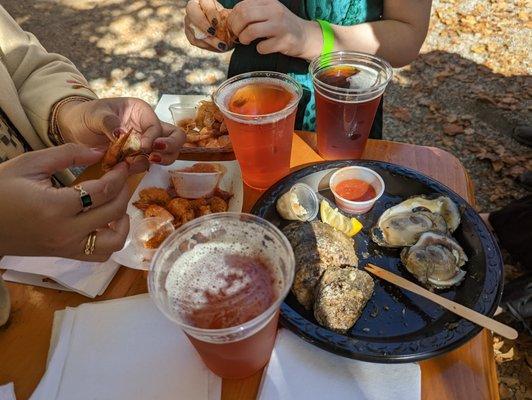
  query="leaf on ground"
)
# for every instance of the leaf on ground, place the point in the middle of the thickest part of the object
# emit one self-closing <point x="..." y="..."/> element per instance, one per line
<point x="453" y="129"/>
<point x="402" y="114"/>
<point x="497" y="165"/>
<point x="479" y="48"/>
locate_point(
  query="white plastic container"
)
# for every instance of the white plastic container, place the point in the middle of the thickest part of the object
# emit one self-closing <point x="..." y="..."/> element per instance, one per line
<point x="364" y="174"/>
<point x="193" y="185"/>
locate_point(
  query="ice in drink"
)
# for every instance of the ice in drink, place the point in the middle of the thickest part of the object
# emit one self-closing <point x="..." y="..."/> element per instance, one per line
<point x="222" y="278"/>
<point x="348" y="89"/>
<point x="259" y="111"/>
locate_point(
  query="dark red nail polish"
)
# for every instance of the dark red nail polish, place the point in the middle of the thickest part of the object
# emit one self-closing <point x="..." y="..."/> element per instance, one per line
<point x="211" y="31"/>
<point x="222" y="46"/>
<point x="118" y="131"/>
<point x="155" y="158"/>
<point x="159" y="146"/>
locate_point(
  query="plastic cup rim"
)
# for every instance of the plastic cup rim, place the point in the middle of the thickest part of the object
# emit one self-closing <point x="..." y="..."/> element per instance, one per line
<point x="264" y="316"/>
<point x="386" y="67"/>
<point x="258" y="74"/>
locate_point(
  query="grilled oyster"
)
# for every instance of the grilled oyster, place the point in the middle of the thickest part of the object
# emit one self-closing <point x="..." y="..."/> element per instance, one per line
<point x="435" y="260"/>
<point x="317" y="247"/>
<point x="439" y="205"/>
<point x="399" y="229"/>
<point x="341" y="295"/>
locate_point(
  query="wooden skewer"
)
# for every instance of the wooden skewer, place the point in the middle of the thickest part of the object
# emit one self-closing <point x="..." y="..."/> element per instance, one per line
<point x="464" y="312"/>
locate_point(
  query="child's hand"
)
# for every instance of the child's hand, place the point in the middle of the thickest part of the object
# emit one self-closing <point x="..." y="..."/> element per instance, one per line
<point x="199" y="30"/>
<point x="282" y="31"/>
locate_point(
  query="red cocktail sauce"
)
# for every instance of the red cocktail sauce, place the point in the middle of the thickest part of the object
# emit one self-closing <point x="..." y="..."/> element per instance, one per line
<point x="355" y="190"/>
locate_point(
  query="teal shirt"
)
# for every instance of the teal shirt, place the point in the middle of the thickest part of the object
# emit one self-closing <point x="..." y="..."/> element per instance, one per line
<point x="338" y="12"/>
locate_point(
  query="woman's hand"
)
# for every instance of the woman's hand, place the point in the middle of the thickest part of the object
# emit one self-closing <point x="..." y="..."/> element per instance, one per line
<point x="199" y="29"/>
<point x="96" y="122"/>
<point x="281" y="30"/>
<point x="38" y="219"/>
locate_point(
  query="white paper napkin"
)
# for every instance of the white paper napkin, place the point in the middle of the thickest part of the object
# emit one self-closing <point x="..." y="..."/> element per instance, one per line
<point x="123" y="349"/>
<point x="299" y="370"/>
<point x="7" y="392"/>
<point x="87" y="278"/>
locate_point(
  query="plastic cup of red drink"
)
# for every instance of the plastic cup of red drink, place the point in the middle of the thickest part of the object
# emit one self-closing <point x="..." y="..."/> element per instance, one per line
<point x="259" y="110"/>
<point x="221" y="278"/>
<point x="348" y="89"/>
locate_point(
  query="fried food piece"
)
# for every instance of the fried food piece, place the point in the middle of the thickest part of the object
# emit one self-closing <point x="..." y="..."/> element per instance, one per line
<point x="207" y="128"/>
<point x="197" y="203"/>
<point x="222" y="194"/>
<point x="223" y="32"/>
<point x="155" y="210"/>
<point x="157" y="238"/>
<point x="152" y="195"/>
<point x="182" y="211"/>
<point x="200" y="206"/>
<point x="124" y="146"/>
<point x="187" y="124"/>
<point x="203" y="210"/>
<point x="217" y="204"/>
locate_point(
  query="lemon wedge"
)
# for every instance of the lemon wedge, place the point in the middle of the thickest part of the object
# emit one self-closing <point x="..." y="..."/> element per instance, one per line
<point x="333" y="217"/>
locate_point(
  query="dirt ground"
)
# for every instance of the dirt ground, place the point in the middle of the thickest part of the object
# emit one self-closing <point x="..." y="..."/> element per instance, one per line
<point x="465" y="93"/>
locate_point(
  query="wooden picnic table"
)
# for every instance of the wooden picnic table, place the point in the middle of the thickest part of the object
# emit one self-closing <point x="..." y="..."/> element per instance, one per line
<point x="466" y="373"/>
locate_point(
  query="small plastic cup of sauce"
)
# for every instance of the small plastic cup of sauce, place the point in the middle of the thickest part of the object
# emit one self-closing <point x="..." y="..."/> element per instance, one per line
<point x="356" y="189"/>
<point x="300" y="203"/>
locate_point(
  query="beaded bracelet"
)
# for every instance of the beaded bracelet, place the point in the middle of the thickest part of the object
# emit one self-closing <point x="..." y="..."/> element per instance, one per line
<point x="54" y="133"/>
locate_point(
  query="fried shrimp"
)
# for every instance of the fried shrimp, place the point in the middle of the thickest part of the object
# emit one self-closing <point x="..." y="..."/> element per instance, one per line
<point x="155" y="210"/>
<point x="152" y="195"/>
<point x="182" y="211"/>
<point x="217" y="204"/>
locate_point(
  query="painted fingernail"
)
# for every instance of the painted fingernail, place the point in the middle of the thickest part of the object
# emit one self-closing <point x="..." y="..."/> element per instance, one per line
<point x="222" y="46"/>
<point x="118" y="131"/>
<point x="155" y="158"/>
<point x="159" y="146"/>
<point x="211" y="30"/>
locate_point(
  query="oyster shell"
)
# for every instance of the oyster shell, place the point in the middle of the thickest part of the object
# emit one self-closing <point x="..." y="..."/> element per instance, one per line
<point x="435" y="260"/>
<point x="341" y="295"/>
<point x="399" y="229"/>
<point x="440" y="205"/>
<point x="317" y="247"/>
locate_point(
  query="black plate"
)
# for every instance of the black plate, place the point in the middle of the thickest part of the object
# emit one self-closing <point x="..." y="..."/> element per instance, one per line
<point x="397" y="325"/>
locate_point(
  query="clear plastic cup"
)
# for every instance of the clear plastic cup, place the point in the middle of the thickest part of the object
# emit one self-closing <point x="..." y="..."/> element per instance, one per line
<point x="348" y="89"/>
<point x="300" y="203"/>
<point x="209" y="277"/>
<point x="262" y="142"/>
<point x="148" y="234"/>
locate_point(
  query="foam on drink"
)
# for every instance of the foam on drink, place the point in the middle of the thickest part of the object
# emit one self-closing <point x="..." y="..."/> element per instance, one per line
<point x="220" y="285"/>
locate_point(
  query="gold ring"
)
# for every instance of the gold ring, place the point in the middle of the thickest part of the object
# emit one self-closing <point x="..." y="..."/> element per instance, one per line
<point x="85" y="198"/>
<point x="91" y="243"/>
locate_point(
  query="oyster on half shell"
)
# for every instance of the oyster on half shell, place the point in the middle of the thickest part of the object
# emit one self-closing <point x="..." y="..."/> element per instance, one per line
<point x="399" y="229"/>
<point x="439" y="205"/>
<point x="435" y="260"/>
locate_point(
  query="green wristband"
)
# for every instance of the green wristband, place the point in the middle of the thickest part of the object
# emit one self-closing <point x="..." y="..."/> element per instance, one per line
<point x="328" y="36"/>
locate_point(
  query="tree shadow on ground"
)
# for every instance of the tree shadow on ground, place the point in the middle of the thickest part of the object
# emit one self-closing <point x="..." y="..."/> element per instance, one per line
<point x="137" y="43"/>
<point x="443" y="99"/>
